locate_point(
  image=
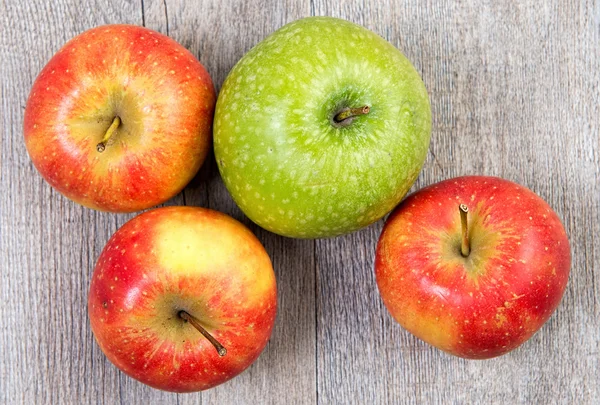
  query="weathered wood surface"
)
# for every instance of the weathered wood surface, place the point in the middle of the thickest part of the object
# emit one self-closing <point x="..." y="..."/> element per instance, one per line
<point x="514" y="92"/>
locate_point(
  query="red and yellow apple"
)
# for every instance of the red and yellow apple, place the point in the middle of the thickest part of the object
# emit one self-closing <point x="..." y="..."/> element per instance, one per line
<point x="182" y="298"/>
<point x="475" y="281"/>
<point x="120" y="118"/>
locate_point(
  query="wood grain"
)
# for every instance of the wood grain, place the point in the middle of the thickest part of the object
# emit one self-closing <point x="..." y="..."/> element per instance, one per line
<point x="514" y="93"/>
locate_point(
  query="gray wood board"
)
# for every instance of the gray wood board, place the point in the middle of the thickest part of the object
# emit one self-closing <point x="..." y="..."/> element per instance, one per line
<point x="514" y="93"/>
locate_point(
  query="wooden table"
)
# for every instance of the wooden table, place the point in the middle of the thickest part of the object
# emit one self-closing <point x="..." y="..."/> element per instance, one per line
<point x="514" y="93"/>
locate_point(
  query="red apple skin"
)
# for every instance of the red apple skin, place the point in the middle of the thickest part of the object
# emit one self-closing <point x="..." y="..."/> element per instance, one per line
<point x="489" y="303"/>
<point x="163" y="96"/>
<point x="182" y="258"/>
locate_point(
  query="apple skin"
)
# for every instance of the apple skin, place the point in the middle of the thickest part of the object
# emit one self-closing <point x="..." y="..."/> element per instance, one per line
<point x="496" y="298"/>
<point x="287" y="165"/>
<point x="163" y="96"/>
<point x="182" y="258"/>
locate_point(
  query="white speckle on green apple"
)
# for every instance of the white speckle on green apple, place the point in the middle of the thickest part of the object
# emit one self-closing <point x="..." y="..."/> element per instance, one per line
<point x="330" y="120"/>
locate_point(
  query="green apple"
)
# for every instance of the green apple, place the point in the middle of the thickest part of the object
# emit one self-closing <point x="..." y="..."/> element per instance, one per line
<point x="321" y="129"/>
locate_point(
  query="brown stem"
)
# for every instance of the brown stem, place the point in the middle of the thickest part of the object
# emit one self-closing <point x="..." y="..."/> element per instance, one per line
<point x="109" y="132"/>
<point x="350" y="113"/>
<point x="465" y="247"/>
<point x="196" y="324"/>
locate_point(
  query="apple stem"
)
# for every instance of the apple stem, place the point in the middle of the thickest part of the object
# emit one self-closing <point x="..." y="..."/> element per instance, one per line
<point x="196" y="324"/>
<point x="109" y="132"/>
<point x="465" y="247"/>
<point x="350" y="113"/>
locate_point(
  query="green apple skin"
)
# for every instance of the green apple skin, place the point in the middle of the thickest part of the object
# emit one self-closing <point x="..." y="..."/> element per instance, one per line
<point x="288" y="165"/>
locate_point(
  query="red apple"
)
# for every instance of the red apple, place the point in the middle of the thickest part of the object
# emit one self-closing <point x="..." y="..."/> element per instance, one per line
<point x="182" y="298"/>
<point x="120" y="118"/>
<point x="478" y="290"/>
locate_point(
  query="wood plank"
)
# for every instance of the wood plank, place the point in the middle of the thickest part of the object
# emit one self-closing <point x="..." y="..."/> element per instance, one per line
<point x="49" y="245"/>
<point x="514" y="93"/>
<point x="219" y="34"/>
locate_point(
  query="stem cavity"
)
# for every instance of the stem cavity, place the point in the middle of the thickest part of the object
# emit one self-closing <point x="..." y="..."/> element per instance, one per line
<point x="345" y="116"/>
<point x="109" y="132"/>
<point x="465" y="247"/>
<point x="196" y="324"/>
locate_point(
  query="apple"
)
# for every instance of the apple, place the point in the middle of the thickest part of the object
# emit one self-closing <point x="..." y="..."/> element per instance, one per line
<point x="473" y="265"/>
<point x="120" y="118"/>
<point x="321" y="129"/>
<point x="182" y="298"/>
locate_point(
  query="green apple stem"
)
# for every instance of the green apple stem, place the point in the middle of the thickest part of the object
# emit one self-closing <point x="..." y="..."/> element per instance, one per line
<point x="196" y="324"/>
<point x="348" y="114"/>
<point x="465" y="247"/>
<point x="109" y="132"/>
